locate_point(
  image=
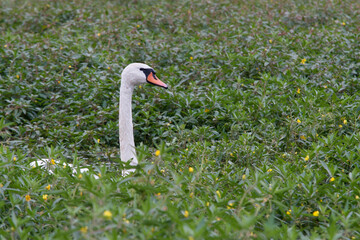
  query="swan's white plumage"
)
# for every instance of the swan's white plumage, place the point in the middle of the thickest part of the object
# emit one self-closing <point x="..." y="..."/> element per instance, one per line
<point x="131" y="76"/>
<point x="50" y="166"/>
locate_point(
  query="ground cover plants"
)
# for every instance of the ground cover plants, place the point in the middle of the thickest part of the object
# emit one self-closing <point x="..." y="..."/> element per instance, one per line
<point x="257" y="136"/>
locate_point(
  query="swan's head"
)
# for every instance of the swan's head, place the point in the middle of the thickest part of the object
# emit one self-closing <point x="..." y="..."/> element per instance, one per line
<point x="139" y="73"/>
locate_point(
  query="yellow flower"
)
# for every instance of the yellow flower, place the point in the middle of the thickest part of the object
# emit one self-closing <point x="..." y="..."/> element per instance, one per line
<point x="288" y="212"/>
<point x="218" y="193"/>
<point x="343" y="23"/>
<point x="191" y="169"/>
<point x="107" y="214"/>
<point x="69" y="66"/>
<point x="218" y="219"/>
<point x="191" y="58"/>
<point x="243" y="177"/>
<point x="332" y="179"/>
<point x="5" y="46"/>
<point x="270" y="40"/>
<point x="302" y="137"/>
<point x="306" y="158"/>
<point x="303" y="61"/>
<point x="191" y="238"/>
<point x="325" y="86"/>
<point x="208" y="204"/>
<point x="316" y="213"/>
<point x="138" y="26"/>
<point x="61" y="48"/>
<point x="206" y="110"/>
<point x="186" y="213"/>
<point x="345" y="121"/>
<point x="269" y="170"/>
<point x="340" y="126"/>
<point x="99" y="174"/>
<point x="139" y="43"/>
<point x="45" y="197"/>
<point x="27" y="198"/>
<point x="157" y="153"/>
<point x="98" y="140"/>
<point x="357" y="197"/>
<point x="298" y="90"/>
<point x="231" y="154"/>
<point x="298" y="121"/>
<point x="80" y="176"/>
<point x="1" y="185"/>
<point x="191" y="195"/>
<point x="48" y="187"/>
<point x="17" y="76"/>
<point x="14" y="159"/>
<point x="52" y="162"/>
<point x="162" y="170"/>
<point x="99" y="34"/>
<point x="84" y="229"/>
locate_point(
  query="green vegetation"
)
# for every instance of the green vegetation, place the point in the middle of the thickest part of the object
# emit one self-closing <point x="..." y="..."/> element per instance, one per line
<point x="258" y="132"/>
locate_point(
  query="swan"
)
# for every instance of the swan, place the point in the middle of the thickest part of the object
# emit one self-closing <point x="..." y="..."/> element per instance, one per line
<point x="133" y="75"/>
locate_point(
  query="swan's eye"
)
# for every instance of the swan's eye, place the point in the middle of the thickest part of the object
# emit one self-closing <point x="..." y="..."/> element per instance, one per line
<point x="147" y="72"/>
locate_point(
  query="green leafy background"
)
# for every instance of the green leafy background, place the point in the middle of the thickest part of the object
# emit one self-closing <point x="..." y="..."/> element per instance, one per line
<point x="263" y="105"/>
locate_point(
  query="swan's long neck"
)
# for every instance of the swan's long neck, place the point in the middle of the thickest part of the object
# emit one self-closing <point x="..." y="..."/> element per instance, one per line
<point x="127" y="145"/>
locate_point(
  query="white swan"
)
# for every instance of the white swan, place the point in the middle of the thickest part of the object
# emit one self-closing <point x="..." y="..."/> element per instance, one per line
<point x="133" y="75"/>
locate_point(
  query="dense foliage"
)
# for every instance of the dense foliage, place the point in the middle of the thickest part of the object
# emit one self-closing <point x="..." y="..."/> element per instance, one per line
<point x="258" y="132"/>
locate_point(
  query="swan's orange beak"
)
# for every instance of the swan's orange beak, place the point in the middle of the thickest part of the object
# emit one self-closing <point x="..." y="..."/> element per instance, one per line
<point x="151" y="78"/>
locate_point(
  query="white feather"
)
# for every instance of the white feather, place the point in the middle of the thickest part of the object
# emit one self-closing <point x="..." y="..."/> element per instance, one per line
<point x="130" y="77"/>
